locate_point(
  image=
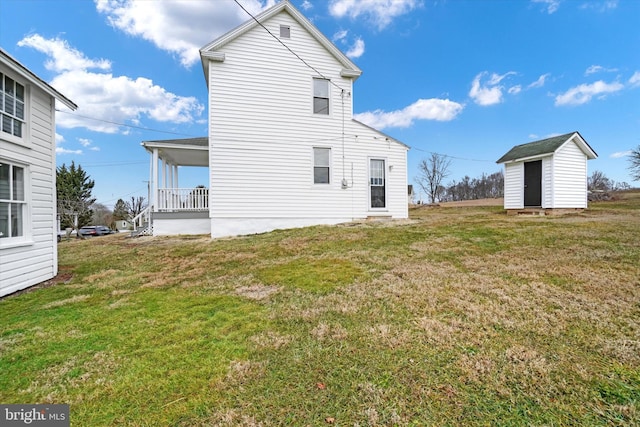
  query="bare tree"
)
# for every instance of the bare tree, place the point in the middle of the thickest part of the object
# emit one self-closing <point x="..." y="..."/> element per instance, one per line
<point x="136" y="206"/>
<point x="432" y="171"/>
<point x="634" y="166"/>
<point x="599" y="181"/>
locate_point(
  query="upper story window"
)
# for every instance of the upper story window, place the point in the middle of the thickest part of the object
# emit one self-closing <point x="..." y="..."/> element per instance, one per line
<point x="320" y="96"/>
<point x="285" y="31"/>
<point x="321" y="165"/>
<point x="12" y="200"/>
<point x="11" y="106"/>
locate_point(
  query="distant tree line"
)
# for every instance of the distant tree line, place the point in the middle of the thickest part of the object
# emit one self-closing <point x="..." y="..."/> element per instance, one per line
<point x="485" y="187"/>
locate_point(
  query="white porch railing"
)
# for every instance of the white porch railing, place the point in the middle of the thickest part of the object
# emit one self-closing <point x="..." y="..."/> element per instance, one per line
<point x="143" y="219"/>
<point x="183" y="199"/>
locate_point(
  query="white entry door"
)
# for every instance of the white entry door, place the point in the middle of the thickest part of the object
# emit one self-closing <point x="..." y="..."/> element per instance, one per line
<point x="377" y="184"/>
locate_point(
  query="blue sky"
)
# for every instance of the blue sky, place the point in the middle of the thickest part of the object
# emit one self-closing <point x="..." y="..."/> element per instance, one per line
<point x="468" y="79"/>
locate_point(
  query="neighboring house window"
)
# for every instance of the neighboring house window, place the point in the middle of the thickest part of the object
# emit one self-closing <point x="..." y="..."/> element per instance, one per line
<point x="12" y="200"/>
<point x="320" y="96"/>
<point x="11" y="106"/>
<point x="321" y="165"/>
<point x="285" y="31"/>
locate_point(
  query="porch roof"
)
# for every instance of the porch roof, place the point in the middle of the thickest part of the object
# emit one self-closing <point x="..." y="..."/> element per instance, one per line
<point x="182" y="152"/>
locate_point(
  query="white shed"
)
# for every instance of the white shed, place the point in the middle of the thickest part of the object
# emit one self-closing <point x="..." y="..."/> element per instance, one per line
<point x="547" y="175"/>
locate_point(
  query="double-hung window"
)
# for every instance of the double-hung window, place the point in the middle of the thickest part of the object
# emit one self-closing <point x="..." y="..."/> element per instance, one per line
<point x="11" y="106"/>
<point x="320" y="96"/>
<point x="321" y="165"/>
<point x="12" y="200"/>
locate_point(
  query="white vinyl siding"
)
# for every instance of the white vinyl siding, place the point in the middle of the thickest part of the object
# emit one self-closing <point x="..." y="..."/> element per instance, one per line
<point x="547" y="182"/>
<point x="514" y="185"/>
<point x="261" y="134"/>
<point x="570" y="177"/>
<point x="32" y="257"/>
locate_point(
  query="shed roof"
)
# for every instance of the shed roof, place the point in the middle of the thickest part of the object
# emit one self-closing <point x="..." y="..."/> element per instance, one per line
<point x="29" y="75"/>
<point x="545" y="147"/>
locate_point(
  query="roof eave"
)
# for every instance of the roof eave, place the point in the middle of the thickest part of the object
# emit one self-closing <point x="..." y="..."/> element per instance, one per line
<point x="29" y="75"/>
<point x="350" y="69"/>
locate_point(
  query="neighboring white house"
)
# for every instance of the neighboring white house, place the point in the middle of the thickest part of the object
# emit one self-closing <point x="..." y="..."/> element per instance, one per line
<point x="283" y="149"/>
<point x="28" y="226"/>
<point x="549" y="174"/>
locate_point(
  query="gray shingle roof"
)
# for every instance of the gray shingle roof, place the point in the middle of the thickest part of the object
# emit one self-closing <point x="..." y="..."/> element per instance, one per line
<point x="536" y="148"/>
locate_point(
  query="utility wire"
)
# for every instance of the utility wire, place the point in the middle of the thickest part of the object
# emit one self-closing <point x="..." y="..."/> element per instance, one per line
<point x="124" y="124"/>
<point x="287" y="47"/>
<point x="452" y="157"/>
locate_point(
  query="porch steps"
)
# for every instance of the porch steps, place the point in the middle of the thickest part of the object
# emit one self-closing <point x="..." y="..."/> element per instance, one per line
<point x="145" y="230"/>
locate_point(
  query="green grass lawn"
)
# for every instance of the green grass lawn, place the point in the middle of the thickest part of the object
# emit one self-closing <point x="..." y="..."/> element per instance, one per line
<point x="458" y="316"/>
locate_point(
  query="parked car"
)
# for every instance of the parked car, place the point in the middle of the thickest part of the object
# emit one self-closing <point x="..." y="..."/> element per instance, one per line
<point x="95" y="230"/>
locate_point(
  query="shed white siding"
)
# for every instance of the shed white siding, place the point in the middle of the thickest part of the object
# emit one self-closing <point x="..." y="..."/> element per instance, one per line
<point x="513" y="185"/>
<point x="570" y="177"/>
<point x="34" y="257"/>
<point x="547" y="182"/>
<point x="262" y="132"/>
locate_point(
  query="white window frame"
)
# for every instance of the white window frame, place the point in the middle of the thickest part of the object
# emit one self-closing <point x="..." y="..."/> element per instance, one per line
<point x="23" y="138"/>
<point x="25" y="237"/>
<point x="314" y="166"/>
<point x="313" y="98"/>
<point x="386" y="184"/>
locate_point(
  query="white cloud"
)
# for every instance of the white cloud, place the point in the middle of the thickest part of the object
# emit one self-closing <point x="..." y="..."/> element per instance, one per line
<point x="600" y="6"/>
<point x="181" y="27"/>
<point x="513" y="90"/>
<point x="84" y="142"/>
<point x="380" y="12"/>
<point x="340" y="35"/>
<point x="540" y="82"/>
<point x="599" y="69"/>
<point x="103" y="96"/>
<point x="61" y="151"/>
<point x="62" y="57"/>
<point x="583" y="93"/>
<point x="356" y="50"/>
<point x="620" y="154"/>
<point x="551" y="5"/>
<point x="635" y="79"/>
<point x="423" y="109"/>
<point x="489" y="93"/>
<point x="306" y="5"/>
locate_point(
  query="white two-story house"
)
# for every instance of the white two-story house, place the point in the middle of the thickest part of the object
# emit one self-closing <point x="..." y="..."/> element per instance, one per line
<point x="28" y="225"/>
<point x="283" y="149"/>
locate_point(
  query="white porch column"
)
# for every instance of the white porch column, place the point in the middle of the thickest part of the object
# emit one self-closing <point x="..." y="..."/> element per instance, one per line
<point x="154" y="180"/>
<point x="170" y="175"/>
<point x="175" y="176"/>
<point x="164" y="173"/>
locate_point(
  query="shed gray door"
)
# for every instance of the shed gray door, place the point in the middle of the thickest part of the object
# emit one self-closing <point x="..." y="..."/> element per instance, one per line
<point x="533" y="184"/>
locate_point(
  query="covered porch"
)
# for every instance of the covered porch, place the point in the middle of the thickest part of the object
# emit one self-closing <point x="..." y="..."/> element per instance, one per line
<point x="175" y="209"/>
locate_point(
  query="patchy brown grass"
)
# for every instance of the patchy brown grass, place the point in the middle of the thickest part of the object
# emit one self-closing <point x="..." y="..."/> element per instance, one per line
<point x="458" y="316"/>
